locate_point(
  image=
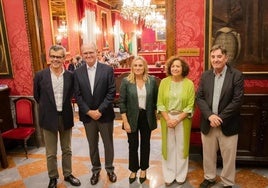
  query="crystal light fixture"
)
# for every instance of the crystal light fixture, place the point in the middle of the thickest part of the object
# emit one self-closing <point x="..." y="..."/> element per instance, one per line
<point x="155" y="20"/>
<point x="135" y="10"/>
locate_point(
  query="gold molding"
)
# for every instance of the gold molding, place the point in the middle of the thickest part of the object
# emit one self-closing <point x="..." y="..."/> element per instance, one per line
<point x="170" y="27"/>
<point x="34" y="28"/>
<point x="5" y="59"/>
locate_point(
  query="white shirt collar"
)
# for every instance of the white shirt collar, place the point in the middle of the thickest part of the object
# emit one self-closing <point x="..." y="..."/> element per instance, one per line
<point x="92" y="67"/>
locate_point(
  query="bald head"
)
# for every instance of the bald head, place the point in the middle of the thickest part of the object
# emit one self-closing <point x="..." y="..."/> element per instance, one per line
<point x="89" y="53"/>
<point x="89" y="45"/>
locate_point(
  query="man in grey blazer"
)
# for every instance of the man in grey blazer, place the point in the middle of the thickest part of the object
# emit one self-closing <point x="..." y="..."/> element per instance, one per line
<point x="219" y="98"/>
<point x="53" y="91"/>
<point x="95" y="92"/>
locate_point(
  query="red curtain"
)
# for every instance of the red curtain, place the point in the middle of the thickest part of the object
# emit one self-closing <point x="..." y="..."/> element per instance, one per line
<point x="80" y="9"/>
<point x="82" y="5"/>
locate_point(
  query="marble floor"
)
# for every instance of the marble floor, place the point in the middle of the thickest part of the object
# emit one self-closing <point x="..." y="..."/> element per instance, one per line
<point x="32" y="172"/>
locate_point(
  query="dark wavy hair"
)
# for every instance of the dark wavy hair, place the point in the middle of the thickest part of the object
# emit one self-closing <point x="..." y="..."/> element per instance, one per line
<point x="185" y="66"/>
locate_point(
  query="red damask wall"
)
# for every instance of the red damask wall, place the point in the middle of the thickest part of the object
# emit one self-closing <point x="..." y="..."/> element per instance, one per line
<point x="22" y="81"/>
<point x="190" y="28"/>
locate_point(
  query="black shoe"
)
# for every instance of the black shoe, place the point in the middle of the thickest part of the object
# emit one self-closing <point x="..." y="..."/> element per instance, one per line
<point x="72" y="180"/>
<point x="112" y="176"/>
<point x="206" y="184"/>
<point x="131" y="180"/>
<point x="142" y="179"/>
<point x="52" y="183"/>
<point x="95" y="178"/>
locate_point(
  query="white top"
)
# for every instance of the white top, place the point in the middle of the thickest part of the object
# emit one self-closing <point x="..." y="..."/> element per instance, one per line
<point x="91" y="71"/>
<point x="142" y="97"/>
<point x="57" y="85"/>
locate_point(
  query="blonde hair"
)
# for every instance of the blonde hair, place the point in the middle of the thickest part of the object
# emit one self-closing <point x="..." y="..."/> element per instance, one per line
<point x="131" y="77"/>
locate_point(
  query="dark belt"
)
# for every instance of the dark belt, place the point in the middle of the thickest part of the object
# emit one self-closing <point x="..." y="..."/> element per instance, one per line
<point x="59" y="113"/>
<point x="142" y="110"/>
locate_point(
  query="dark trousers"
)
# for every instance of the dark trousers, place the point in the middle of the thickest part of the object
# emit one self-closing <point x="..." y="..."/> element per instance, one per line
<point x="133" y="140"/>
<point x="93" y="128"/>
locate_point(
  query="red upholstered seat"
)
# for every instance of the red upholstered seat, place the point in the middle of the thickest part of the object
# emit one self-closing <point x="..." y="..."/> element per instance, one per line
<point x="25" y="122"/>
<point x="195" y="138"/>
<point x="19" y="133"/>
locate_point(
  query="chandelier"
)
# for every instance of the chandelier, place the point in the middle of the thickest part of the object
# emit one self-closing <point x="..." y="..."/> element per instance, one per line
<point x="135" y="10"/>
<point x="155" y="20"/>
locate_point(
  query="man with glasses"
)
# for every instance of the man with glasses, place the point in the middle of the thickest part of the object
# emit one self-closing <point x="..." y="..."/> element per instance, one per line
<point x="53" y="91"/>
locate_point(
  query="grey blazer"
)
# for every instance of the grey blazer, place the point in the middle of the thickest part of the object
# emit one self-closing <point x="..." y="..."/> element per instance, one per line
<point x="129" y="102"/>
<point x="230" y="100"/>
<point x="44" y="96"/>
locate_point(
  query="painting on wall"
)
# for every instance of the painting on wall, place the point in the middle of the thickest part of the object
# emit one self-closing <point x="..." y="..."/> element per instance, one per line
<point x="160" y="35"/>
<point x="241" y="26"/>
<point x="5" y="60"/>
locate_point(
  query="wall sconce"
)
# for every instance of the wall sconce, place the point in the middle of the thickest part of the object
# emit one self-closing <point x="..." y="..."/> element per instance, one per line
<point x="62" y="29"/>
<point x="138" y="33"/>
<point x="111" y="31"/>
<point x="97" y="30"/>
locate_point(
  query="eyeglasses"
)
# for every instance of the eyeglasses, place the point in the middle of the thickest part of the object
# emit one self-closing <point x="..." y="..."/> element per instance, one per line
<point x="55" y="57"/>
<point x="88" y="53"/>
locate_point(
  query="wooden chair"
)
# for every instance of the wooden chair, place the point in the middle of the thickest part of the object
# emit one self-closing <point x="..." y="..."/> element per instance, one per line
<point x="25" y="121"/>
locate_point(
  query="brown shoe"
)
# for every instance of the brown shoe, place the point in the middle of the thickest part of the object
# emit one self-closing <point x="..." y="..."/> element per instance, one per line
<point x="112" y="176"/>
<point x="168" y="184"/>
<point x="95" y="178"/>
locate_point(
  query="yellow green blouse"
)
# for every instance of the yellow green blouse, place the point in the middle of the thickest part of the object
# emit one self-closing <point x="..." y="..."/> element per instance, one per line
<point x="167" y="102"/>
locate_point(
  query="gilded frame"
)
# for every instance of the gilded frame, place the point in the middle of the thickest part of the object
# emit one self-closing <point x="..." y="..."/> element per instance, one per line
<point x="104" y="30"/>
<point x="5" y="59"/>
<point x="256" y="66"/>
<point x="64" y="41"/>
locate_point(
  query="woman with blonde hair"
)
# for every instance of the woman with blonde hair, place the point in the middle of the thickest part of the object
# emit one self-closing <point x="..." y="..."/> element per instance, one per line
<point x="138" y="96"/>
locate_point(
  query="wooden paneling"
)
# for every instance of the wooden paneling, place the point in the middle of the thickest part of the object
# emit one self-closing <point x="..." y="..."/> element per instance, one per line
<point x="253" y="140"/>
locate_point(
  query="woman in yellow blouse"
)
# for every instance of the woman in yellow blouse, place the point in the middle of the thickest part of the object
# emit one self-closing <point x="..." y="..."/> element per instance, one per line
<point x="175" y="102"/>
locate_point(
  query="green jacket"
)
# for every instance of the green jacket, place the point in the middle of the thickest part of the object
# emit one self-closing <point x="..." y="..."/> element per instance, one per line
<point x="128" y="102"/>
<point x="187" y="97"/>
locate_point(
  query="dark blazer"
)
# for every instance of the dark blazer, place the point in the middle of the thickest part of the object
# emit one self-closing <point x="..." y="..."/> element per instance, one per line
<point x="103" y="96"/>
<point x="230" y="100"/>
<point x="129" y="102"/>
<point x="43" y="94"/>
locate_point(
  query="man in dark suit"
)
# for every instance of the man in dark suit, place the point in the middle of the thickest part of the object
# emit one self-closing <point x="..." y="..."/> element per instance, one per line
<point x="53" y="91"/>
<point x="95" y="92"/>
<point x="219" y="98"/>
